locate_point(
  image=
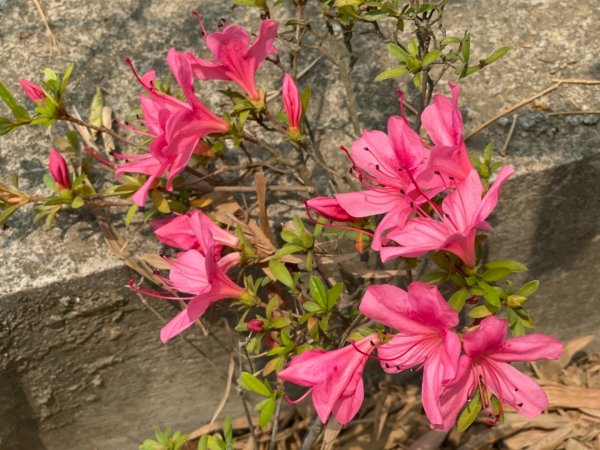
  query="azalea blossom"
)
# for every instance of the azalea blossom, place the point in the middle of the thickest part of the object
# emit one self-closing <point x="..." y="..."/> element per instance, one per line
<point x="187" y="231"/>
<point x="462" y="212"/>
<point x="176" y="128"/>
<point x="485" y="367"/>
<point x="234" y="58"/>
<point x="424" y="321"/>
<point x="203" y="276"/>
<point x="334" y="378"/>
<point x="443" y="121"/>
<point x="292" y="105"/>
<point x="33" y="91"/>
<point x="59" y="170"/>
<point x="388" y="166"/>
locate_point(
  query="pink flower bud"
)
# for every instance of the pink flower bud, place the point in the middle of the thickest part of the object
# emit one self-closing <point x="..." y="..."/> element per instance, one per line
<point x="255" y="325"/>
<point x="330" y="209"/>
<point x="292" y="104"/>
<point x="32" y="90"/>
<point x="58" y="170"/>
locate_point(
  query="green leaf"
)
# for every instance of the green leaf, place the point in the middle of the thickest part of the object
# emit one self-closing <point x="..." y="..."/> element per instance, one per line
<point x="465" y="48"/>
<point x="96" y="108"/>
<point x="490" y="295"/>
<point x="288" y="249"/>
<point x="281" y="273"/>
<point x="290" y="237"/>
<point x="431" y="57"/>
<point x="497" y="55"/>
<point x="333" y="295"/>
<point x="245" y="2"/>
<point x="391" y="73"/>
<point x="130" y="214"/>
<point x="7" y="212"/>
<point x="487" y="153"/>
<point x="495" y="274"/>
<point x="305" y="98"/>
<point x="434" y="277"/>
<point x="413" y="48"/>
<point x="18" y="111"/>
<point x="266" y="413"/>
<point x="311" y="307"/>
<point x="253" y="384"/>
<point x="508" y="264"/>
<point x="528" y="289"/>
<point x="77" y="202"/>
<point x="228" y="433"/>
<point x="481" y="311"/>
<point x="417" y="81"/>
<point x="469" y="414"/>
<point x="397" y="52"/>
<point x="318" y="291"/>
<point x="65" y="79"/>
<point x="373" y="16"/>
<point x="450" y="40"/>
<point x="50" y="74"/>
<point x="458" y="299"/>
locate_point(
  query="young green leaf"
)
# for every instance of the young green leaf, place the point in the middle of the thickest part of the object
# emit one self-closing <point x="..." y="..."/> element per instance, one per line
<point x="469" y="414"/>
<point x="18" y="111"/>
<point x="528" y="289"/>
<point x="391" y="73"/>
<point x="253" y="384"/>
<point x="281" y="273"/>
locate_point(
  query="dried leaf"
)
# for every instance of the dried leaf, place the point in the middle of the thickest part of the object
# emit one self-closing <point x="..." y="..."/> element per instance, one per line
<point x="572" y="397"/>
<point x="227" y="390"/>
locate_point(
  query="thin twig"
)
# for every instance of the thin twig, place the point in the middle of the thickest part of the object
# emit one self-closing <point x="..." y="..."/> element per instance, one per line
<point x="556" y="85"/>
<point x="511" y="131"/>
<point x="273" y="442"/>
<point x="313" y="433"/>
<point x="573" y="113"/>
<point x="275" y="188"/>
<point x="101" y="129"/>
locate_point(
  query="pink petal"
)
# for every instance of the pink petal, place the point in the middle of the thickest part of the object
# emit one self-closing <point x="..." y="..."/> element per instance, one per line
<point x="263" y="45"/>
<point x="186" y="318"/>
<point x="515" y="388"/>
<point x="456" y="393"/>
<point x="347" y="407"/>
<point x="487" y="338"/>
<point x="429" y="306"/>
<point x="463" y="203"/>
<point x="370" y="202"/>
<point x="443" y="120"/>
<point x="407" y="145"/>
<point x="491" y="197"/>
<point x="529" y="348"/>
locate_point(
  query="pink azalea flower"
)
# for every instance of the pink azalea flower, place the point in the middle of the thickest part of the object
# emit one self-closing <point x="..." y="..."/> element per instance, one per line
<point x="329" y="208"/>
<point x="334" y="378"/>
<point x="234" y="58"/>
<point x="484" y="367"/>
<point x="462" y="212"/>
<point x="424" y="321"/>
<point x="206" y="279"/>
<point x="443" y="121"/>
<point x="33" y="91"/>
<point x="388" y="166"/>
<point x="292" y="104"/>
<point x="187" y="231"/>
<point x="59" y="170"/>
<point x="175" y="125"/>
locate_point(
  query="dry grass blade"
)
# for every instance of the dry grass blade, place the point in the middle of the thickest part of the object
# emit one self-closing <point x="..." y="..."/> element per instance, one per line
<point x="107" y="139"/>
<point x="227" y="390"/>
<point x="54" y="42"/>
<point x="261" y="196"/>
<point x="572" y="397"/>
<point x="332" y="429"/>
<point x="552" y="440"/>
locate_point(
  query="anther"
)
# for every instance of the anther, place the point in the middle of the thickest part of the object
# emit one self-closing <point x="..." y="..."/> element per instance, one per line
<point x="520" y="405"/>
<point x="398" y="366"/>
<point x="437" y="172"/>
<point x="372" y="343"/>
<point x="376" y="166"/>
<point x="366" y="149"/>
<point x="402" y="192"/>
<point x="516" y="389"/>
<point x="387" y="366"/>
<point x="451" y="178"/>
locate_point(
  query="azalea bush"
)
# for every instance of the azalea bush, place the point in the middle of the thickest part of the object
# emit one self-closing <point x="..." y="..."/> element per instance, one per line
<point x="411" y="210"/>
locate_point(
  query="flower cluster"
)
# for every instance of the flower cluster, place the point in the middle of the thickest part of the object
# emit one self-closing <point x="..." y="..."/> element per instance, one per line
<point x="432" y="199"/>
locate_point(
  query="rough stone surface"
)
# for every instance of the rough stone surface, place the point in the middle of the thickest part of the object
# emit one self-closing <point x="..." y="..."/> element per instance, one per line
<point x="80" y="362"/>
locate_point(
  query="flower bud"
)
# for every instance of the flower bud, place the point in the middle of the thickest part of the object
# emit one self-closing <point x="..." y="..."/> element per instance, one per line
<point x="255" y="325"/>
<point x="33" y="91"/>
<point x="330" y="209"/>
<point x="292" y="105"/>
<point x="58" y="170"/>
